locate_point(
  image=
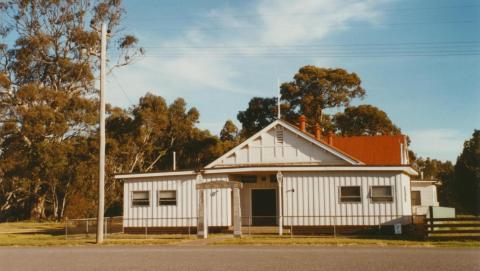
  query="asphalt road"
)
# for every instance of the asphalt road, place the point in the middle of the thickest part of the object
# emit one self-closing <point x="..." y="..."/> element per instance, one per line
<point x="238" y="258"/>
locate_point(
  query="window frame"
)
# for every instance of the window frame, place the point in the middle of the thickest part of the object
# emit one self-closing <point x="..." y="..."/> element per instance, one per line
<point x="341" y="198"/>
<point x="379" y="199"/>
<point x="136" y="205"/>
<point x="159" y="199"/>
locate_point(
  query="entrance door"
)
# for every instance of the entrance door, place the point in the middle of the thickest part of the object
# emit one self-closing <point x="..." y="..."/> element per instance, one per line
<point x="264" y="207"/>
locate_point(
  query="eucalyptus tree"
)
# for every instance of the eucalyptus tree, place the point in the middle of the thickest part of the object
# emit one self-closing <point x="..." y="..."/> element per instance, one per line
<point x="364" y="119"/>
<point x="315" y="89"/>
<point x="48" y="62"/>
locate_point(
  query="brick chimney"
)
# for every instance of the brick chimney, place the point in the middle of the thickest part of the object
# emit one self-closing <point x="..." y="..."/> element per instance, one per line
<point x="302" y="120"/>
<point x="318" y="131"/>
<point x="330" y="138"/>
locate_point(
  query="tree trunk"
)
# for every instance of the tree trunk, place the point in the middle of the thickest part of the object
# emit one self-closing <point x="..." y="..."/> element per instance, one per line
<point x="62" y="210"/>
<point x="38" y="210"/>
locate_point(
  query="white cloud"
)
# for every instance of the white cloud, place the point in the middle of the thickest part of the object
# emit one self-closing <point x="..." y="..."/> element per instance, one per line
<point x="443" y="144"/>
<point x="292" y="22"/>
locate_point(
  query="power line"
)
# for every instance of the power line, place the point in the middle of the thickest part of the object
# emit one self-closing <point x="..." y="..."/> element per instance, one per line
<point x="331" y="26"/>
<point x="348" y="50"/>
<point x="253" y="15"/>
<point x="421" y="43"/>
<point x="121" y="88"/>
<point x="402" y="54"/>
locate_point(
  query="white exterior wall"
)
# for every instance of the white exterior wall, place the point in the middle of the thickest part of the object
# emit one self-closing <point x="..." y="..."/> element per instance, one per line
<point x="309" y="198"/>
<point x="184" y="214"/>
<point x="218" y="203"/>
<point x="407" y="196"/>
<point x="428" y="195"/>
<point x="265" y="148"/>
<point x="313" y="199"/>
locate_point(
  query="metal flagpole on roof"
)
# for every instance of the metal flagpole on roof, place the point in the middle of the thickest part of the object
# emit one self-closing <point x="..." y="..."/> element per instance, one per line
<point x="278" y="99"/>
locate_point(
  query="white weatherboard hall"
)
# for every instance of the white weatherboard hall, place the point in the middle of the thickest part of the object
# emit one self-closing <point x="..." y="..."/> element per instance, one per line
<point x="281" y="176"/>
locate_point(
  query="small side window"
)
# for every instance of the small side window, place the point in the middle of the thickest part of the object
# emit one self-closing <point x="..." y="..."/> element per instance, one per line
<point x="350" y="194"/>
<point x="381" y="194"/>
<point x="140" y="198"/>
<point x="167" y="197"/>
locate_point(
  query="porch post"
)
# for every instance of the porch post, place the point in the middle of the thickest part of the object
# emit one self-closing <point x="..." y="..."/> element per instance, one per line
<point x="237" y="213"/>
<point x="280" y="203"/>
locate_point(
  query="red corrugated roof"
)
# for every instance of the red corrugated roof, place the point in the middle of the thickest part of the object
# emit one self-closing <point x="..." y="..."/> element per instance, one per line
<point x="372" y="150"/>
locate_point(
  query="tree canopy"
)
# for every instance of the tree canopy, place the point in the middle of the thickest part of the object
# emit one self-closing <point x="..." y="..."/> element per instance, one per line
<point x="260" y="113"/>
<point x="467" y="175"/>
<point x="229" y="131"/>
<point x="48" y="116"/>
<point x="364" y="120"/>
<point x="312" y="90"/>
<point x="315" y="89"/>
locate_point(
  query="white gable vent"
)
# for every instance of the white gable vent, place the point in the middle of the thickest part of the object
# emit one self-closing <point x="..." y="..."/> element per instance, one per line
<point x="279" y="134"/>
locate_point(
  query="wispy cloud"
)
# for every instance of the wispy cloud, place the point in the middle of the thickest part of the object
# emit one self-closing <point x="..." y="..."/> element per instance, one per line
<point x="217" y="54"/>
<point x="444" y="144"/>
<point x="291" y="22"/>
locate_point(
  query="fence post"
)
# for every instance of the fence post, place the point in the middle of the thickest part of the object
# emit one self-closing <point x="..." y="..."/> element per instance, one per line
<point x="105" y="229"/>
<point x="291" y="229"/>
<point x="146" y="228"/>
<point x="86" y="227"/>
<point x="430" y="212"/>
<point x="66" y="228"/>
<point x="379" y="225"/>
<point x="334" y="227"/>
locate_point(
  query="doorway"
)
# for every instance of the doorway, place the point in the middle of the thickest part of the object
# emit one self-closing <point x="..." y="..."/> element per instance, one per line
<point x="264" y="207"/>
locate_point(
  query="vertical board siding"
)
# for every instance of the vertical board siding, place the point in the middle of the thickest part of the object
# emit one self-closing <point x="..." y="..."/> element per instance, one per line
<point x="183" y="214"/>
<point x="308" y="199"/>
<point x="314" y="199"/>
<point x="218" y="203"/>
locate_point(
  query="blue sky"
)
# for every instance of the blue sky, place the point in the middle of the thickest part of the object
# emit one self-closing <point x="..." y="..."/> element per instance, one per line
<point x="418" y="60"/>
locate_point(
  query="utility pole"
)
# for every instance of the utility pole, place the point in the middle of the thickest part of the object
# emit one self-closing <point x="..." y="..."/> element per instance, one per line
<point x="101" y="175"/>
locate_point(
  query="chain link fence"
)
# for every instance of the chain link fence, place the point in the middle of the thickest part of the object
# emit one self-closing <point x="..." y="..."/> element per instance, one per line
<point x="186" y="227"/>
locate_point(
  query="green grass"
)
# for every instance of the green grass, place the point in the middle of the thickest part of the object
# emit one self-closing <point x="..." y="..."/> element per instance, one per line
<point x="342" y="241"/>
<point x="30" y="226"/>
<point x="52" y="234"/>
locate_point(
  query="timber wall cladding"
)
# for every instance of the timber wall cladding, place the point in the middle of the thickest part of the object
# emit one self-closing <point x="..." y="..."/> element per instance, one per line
<point x="291" y="149"/>
<point x="183" y="214"/>
<point x="313" y="199"/>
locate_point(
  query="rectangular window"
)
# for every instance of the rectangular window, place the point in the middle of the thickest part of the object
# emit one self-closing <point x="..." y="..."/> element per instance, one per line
<point x="350" y="194"/>
<point x="381" y="194"/>
<point x="416" y="198"/>
<point x="167" y="197"/>
<point x="140" y="198"/>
